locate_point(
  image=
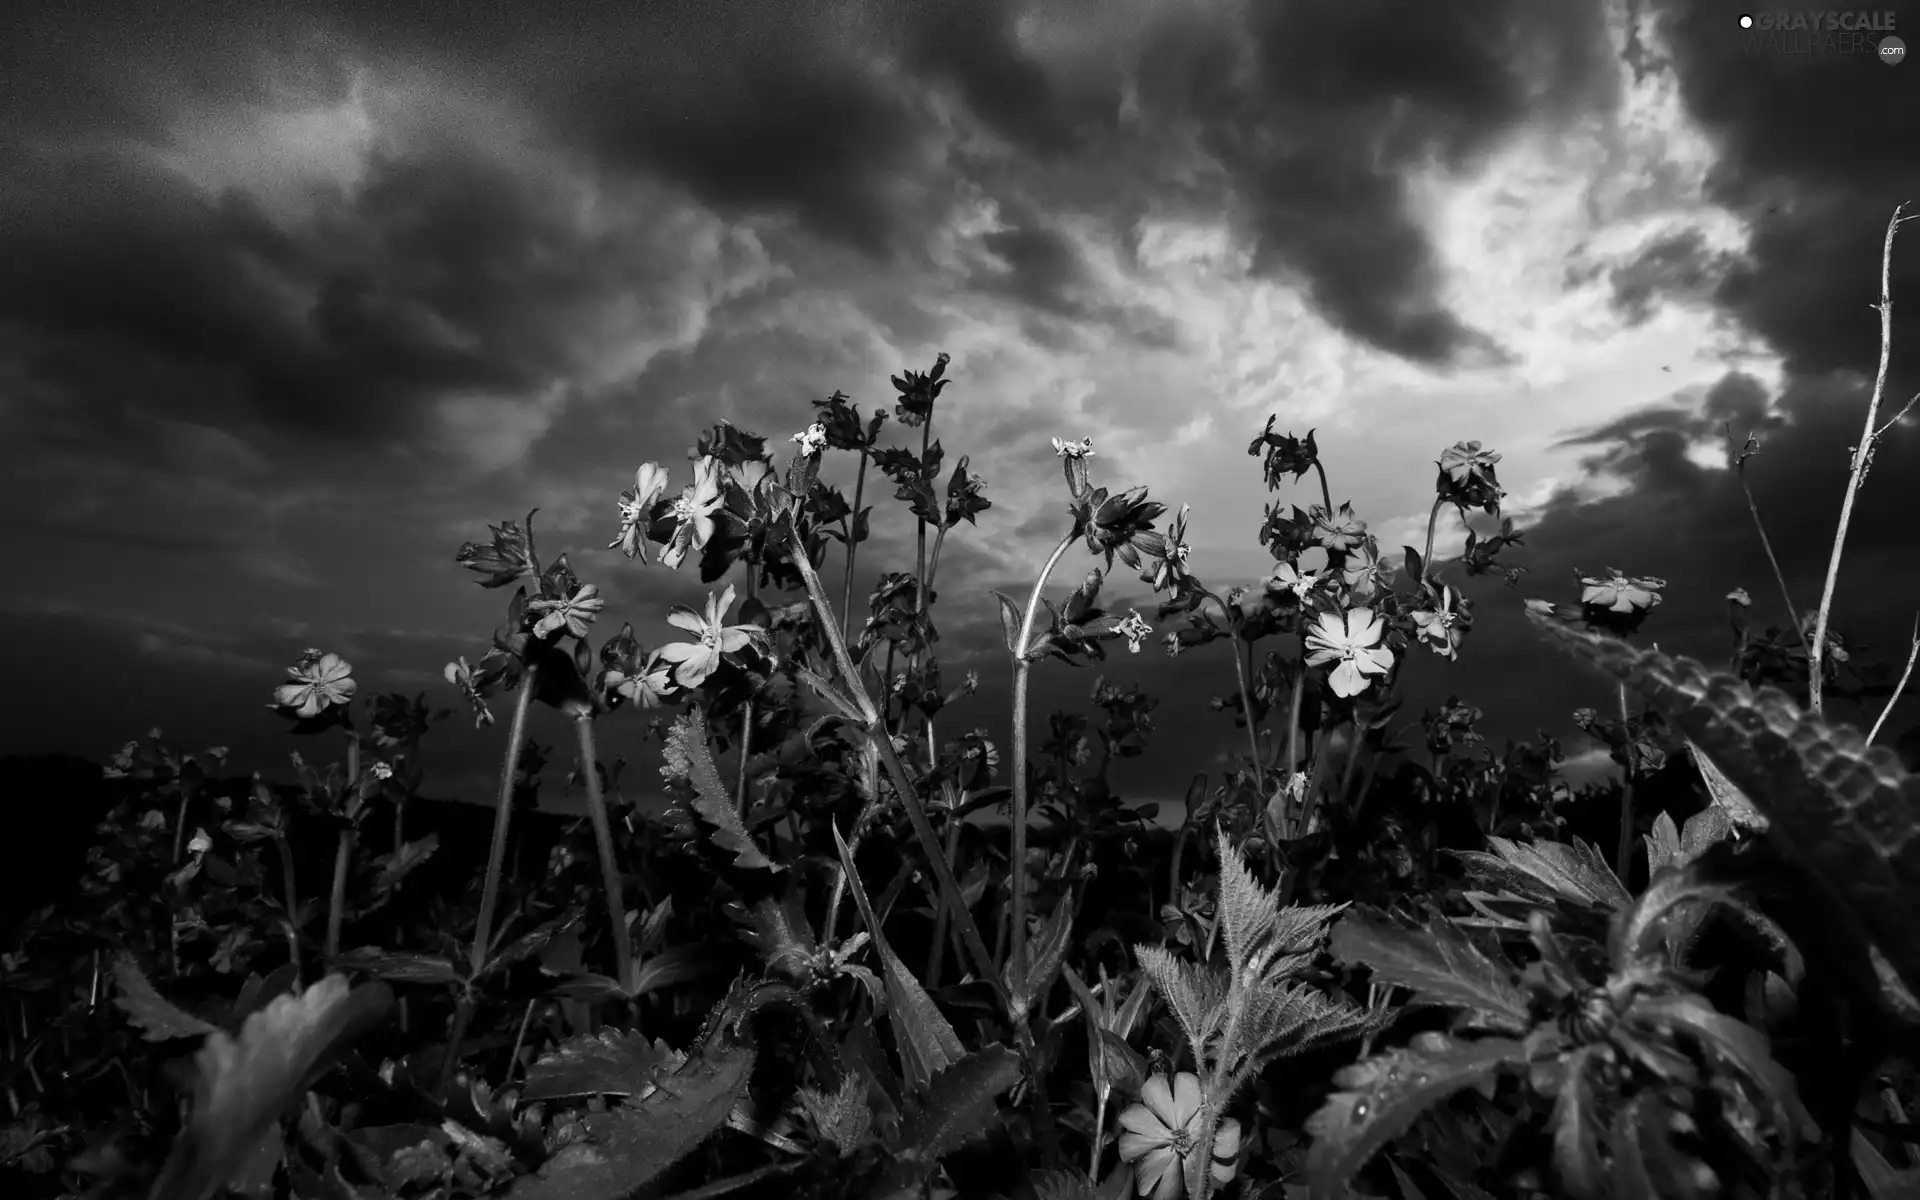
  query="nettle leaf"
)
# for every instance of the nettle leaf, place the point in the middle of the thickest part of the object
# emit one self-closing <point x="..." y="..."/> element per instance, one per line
<point x="689" y="759"/>
<point x="243" y="1084"/>
<point x="629" y="1146"/>
<point x="610" y="1063"/>
<point x="926" y="1041"/>
<point x="959" y="1103"/>
<point x="1551" y="870"/>
<point x="1439" y="962"/>
<point x="1195" y="994"/>
<point x="1725" y="793"/>
<point x="1263" y="940"/>
<point x="1382" y="1096"/>
<point x="157" y="1018"/>
<point x="1061" y="1185"/>
<point x="842" y="1116"/>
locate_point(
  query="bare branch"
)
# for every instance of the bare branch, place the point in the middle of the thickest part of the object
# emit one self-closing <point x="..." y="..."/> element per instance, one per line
<point x="1862" y="455"/>
<point x="1913" y="652"/>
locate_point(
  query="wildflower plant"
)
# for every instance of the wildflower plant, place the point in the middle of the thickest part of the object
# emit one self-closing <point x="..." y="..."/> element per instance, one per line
<point x="817" y="972"/>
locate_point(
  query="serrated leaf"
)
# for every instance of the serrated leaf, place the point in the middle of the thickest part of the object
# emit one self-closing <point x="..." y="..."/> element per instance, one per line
<point x="1574" y="872"/>
<point x="242" y="1085"/>
<point x="629" y="1146"/>
<point x="610" y="1063"/>
<point x="959" y="1103"/>
<point x="688" y="758"/>
<point x="157" y="1018"/>
<point x="927" y="1042"/>
<point x="1061" y="1185"/>
<point x="399" y="968"/>
<point x="1382" y="1096"/>
<point x="1046" y="951"/>
<point x="1193" y="992"/>
<point x="1438" y="962"/>
<point x="1724" y="793"/>
<point x="395" y="866"/>
<point x="1663" y="845"/>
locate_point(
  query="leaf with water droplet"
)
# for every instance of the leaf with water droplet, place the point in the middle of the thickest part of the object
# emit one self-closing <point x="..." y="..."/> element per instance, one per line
<point x="1381" y="1096"/>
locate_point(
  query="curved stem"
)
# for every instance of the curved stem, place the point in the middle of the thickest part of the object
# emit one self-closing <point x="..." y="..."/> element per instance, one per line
<point x="1426" y="556"/>
<point x="853" y="544"/>
<point x="490" y="889"/>
<point x="609" y="866"/>
<point x="502" y="821"/>
<point x="1018" y="850"/>
<point x="1326" y="495"/>
<point x="343" y="853"/>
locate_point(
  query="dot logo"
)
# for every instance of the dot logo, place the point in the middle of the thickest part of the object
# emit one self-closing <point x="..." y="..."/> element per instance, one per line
<point x="1746" y="22"/>
<point x="1892" y="50"/>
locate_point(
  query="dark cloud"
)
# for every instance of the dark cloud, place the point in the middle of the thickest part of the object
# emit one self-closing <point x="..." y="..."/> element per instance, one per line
<point x="1344" y="103"/>
<point x="1809" y="151"/>
<point x="1680" y="267"/>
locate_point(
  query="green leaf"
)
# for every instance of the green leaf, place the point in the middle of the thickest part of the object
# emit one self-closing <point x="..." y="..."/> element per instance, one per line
<point x="609" y="1063"/>
<point x="242" y="1085"/>
<point x="1576" y="1125"/>
<point x="1550" y="870"/>
<point x="157" y="1018"/>
<point x="1011" y="618"/>
<point x="399" y="968"/>
<point x="1046" y="950"/>
<point x="1438" y="962"/>
<point x="1383" y="1095"/>
<point x="959" y="1103"/>
<point x="926" y="1041"/>
<point x="687" y="758"/>
<point x="629" y="1146"/>
<point x="1882" y="1179"/>
<point x="1061" y="1185"/>
<point x="1194" y="993"/>
<point x="1736" y="1044"/>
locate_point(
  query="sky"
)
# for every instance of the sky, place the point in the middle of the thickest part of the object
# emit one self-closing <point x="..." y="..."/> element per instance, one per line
<point x="297" y="298"/>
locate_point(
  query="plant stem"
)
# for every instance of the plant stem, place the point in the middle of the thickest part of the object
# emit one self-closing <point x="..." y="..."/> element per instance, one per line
<point x="1426" y="556"/>
<point x="1293" y="735"/>
<point x="853" y="544"/>
<point x="343" y="852"/>
<point x="1626" y="797"/>
<point x="1018" y="851"/>
<point x="490" y="888"/>
<point x="1326" y="495"/>
<point x="1862" y="455"/>
<point x="1766" y="543"/>
<point x="1913" y="652"/>
<point x="609" y="865"/>
<point x="746" y="752"/>
<point x="903" y="783"/>
<point x="292" y="900"/>
<point x="337" y="902"/>
<point x="502" y="821"/>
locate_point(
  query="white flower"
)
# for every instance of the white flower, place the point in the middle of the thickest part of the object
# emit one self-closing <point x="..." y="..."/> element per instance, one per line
<point x="1080" y="449"/>
<point x="1134" y="628"/>
<point x="812" y="439"/>
<point x="1352" y="639"/>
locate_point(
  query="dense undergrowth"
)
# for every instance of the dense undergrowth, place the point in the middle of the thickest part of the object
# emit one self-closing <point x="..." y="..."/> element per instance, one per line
<point x="1379" y="954"/>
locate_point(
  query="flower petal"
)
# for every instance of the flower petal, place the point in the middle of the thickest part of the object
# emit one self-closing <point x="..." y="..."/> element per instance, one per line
<point x="1158" y="1097"/>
